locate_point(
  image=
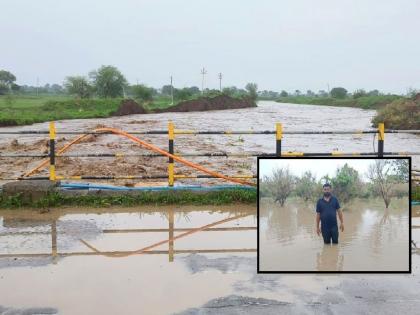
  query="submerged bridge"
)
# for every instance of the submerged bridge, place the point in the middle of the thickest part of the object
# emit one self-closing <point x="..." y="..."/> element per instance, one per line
<point x="279" y="137"/>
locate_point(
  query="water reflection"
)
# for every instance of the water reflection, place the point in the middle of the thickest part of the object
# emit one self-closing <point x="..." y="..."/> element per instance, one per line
<point x="329" y="258"/>
<point x="374" y="238"/>
<point x="26" y="236"/>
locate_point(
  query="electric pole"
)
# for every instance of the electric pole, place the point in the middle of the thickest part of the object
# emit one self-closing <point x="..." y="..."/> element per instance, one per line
<point x="220" y="81"/>
<point x="203" y="73"/>
<point x="37" y="85"/>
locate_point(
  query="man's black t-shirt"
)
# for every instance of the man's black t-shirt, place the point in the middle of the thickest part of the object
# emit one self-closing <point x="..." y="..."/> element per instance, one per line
<point x="328" y="212"/>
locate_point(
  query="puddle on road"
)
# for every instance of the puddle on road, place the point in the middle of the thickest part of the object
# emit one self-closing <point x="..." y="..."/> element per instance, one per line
<point x="371" y="241"/>
<point x="42" y="255"/>
<point x="70" y="278"/>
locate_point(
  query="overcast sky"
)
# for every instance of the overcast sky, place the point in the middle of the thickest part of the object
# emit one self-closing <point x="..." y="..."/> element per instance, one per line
<point x="299" y="44"/>
<point x="318" y="167"/>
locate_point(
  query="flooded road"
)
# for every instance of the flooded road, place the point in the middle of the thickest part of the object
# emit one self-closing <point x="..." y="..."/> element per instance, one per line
<point x="86" y="261"/>
<point x="372" y="240"/>
<point x="294" y="117"/>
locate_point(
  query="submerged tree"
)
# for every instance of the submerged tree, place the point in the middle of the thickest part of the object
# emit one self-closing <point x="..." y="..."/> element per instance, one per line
<point x="346" y="183"/>
<point x="380" y="173"/>
<point x="306" y="186"/>
<point x="281" y="184"/>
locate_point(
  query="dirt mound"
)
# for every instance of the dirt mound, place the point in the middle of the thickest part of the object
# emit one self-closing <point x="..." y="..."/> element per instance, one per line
<point x="210" y="103"/>
<point x="129" y="107"/>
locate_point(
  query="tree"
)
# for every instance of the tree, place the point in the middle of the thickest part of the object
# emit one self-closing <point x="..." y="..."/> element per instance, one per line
<point x="108" y="81"/>
<point x="359" y="93"/>
<point x="229" y="91"/>
<point x="338" y="92"/>
<point x="182" y="94"/>
<point x="142" y="92"/>
<point x="284" y="94"/>
<point x="297" y="93"/>
<point x="7" y="79"/>
<point x="281" y="184"/>
<point x="401" y="169"/>
<point x="309" y="93"/>
<point x="322" y="93"/>
<point x="346" y="183"/>
<point x="252" y="89"/>
<point x="78" y="85"/>
<point x="380" y="174"/>
<point x="166" y="90"/>
<point x="306" y="186"/>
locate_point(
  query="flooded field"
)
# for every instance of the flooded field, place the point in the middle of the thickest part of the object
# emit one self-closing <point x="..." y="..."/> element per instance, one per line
<point x="94" y="261"/>
<point x="373" y="239"/>
<point x="294" y="117"/>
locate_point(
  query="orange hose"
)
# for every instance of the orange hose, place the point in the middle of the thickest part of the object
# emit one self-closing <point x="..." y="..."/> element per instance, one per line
<point x="149" y="146"/>
<point x="176" y="158"/>
<point x="45" y="162"/>
<point x="144" y="249"/>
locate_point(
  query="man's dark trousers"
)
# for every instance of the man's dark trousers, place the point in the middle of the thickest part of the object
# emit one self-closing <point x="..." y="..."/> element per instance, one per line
<point x="330" y="233"/>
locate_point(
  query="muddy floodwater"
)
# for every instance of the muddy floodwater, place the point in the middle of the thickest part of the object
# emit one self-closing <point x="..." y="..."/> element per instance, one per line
<point x="264" y="117"/>
<point x="373" y="239"/>
<point x="107" y="261"/>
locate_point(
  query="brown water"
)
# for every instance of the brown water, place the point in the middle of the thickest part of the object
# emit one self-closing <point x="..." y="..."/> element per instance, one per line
<point x="263" y="117"/>
<point x="42" y="255"/>
<point x="373" y="240"/>
<point x="44" y="266"/>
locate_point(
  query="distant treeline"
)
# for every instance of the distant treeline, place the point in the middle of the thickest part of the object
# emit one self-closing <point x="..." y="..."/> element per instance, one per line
<point x="109" y="82"/>
<point x="386" y="179"/>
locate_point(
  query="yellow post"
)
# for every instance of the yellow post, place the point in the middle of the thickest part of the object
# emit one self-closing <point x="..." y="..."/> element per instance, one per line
<point x="279" y="136"/>
<point x="171" y="135"/>
<point x="52" y="151"/>
<point x="381" y="138"/>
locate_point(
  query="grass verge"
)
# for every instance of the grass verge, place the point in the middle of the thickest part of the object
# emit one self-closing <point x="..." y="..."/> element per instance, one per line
<point x="145" y="198"/>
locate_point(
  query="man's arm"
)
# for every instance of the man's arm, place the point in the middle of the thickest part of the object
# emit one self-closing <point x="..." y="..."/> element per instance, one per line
<point x="318" y="220"/>
<point x="340" y="216"/>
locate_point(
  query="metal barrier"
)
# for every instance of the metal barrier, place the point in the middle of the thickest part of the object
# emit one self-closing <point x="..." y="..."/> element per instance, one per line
<point x="172" y="132"/>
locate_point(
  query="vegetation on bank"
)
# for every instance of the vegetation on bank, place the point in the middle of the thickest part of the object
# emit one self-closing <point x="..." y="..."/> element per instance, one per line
<point x="97" y="95"/>
<point x="400" y="114"/>
<point x="365" y="102"/>
<point x="230" y="196"/>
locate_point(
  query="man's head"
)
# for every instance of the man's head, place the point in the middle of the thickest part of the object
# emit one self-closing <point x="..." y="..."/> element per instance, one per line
<point x="327" y="189"/>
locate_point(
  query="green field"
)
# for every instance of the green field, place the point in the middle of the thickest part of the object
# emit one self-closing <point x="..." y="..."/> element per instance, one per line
<point x="24" y="110"/>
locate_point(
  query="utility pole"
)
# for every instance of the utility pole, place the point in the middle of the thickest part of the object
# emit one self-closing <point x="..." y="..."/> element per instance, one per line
<point x="203" y="73"/>
<point x="220" y="81"/>
<point x="172" y="93"/>
<point x="37" y="85"/>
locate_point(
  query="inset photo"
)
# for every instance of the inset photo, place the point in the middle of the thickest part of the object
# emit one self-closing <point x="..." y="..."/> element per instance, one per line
<point x="334" y="215"/>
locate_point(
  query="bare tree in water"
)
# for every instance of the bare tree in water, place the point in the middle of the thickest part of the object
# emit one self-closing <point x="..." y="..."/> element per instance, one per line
<point x="381" y="174"/>
<point x="281" y="184"/>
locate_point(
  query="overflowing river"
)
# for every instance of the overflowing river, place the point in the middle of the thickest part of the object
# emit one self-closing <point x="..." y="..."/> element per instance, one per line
<point x="264" y="117"/>
<point x="373" y="239"/>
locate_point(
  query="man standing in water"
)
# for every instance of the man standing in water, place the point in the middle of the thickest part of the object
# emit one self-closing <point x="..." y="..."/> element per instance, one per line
<point x="327" y="209"/>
